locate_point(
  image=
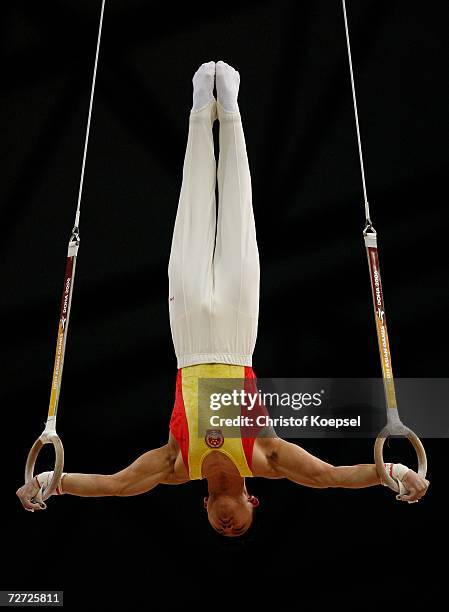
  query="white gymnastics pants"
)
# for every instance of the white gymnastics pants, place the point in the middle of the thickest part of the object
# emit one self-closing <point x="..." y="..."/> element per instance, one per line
<point x="214" y="261"/>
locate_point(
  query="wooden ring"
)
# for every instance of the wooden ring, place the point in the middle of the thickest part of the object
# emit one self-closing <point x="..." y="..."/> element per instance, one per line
<point x="59" y="461"/>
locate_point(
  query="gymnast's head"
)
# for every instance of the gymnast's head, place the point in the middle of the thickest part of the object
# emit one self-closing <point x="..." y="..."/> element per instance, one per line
<point x="231" y="515"/>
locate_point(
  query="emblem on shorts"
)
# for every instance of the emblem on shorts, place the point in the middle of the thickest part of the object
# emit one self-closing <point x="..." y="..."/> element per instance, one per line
<point x="214" y="438"/>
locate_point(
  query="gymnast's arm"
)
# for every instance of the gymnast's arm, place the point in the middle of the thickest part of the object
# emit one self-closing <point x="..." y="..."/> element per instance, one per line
<point x="296" y="464"/>
<point x="146" y="472"/>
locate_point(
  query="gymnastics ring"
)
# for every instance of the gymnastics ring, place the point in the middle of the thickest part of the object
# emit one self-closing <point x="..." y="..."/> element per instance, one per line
<point x="378" y="454"/>
<point x="43" y="439"/>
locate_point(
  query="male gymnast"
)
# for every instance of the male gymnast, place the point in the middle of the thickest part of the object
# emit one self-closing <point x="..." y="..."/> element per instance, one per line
<point x="213" y="304"/>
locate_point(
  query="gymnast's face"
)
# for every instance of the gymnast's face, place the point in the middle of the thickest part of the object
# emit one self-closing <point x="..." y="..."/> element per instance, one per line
<point x="230" y="516"/>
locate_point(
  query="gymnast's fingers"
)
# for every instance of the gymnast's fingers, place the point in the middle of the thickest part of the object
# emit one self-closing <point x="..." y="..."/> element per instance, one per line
<point x="411" y="496"/>
<point x="28" y="504"/>
<point x="26" y="494"/>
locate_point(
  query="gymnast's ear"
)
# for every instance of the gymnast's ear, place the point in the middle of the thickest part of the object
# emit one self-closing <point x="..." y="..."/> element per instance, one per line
<point x="253" y="501"/>
<point x="205" y="500"/>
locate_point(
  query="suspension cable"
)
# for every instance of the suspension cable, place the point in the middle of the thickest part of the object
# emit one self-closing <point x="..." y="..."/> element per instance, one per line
<point x="354" y="99"/>
<point x="75" y="230"/>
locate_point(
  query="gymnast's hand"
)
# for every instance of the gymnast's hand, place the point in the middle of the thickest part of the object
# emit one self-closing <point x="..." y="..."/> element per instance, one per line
<point x="27" y="493"/>
<point x="416" y="486"/>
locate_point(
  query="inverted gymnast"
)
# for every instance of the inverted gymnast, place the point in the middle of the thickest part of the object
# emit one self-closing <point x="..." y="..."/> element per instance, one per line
<point x="213" y="304"/>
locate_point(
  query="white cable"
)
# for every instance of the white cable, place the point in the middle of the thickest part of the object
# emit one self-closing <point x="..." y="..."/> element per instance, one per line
<point x="80" y="192"/>
<point x="359" y="141"/>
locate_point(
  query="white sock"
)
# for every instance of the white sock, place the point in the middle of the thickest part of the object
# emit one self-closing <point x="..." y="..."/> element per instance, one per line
<point x="227" y="82"/>
<point x="203" y="85"/>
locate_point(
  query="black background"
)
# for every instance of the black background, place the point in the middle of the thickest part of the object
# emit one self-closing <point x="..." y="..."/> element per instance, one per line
<point x="308" y="547"/>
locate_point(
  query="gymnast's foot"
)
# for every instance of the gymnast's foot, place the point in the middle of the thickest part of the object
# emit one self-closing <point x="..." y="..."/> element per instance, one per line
<point x="227" y="82"/>
<point x="203" y="85"/>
